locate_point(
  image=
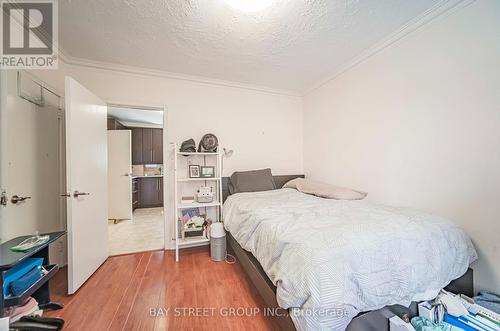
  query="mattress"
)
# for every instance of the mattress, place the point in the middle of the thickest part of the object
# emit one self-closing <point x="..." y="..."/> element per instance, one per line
<point x="331" y="259"/>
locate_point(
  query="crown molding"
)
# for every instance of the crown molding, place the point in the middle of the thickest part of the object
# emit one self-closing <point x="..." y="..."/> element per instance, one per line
<point x="79" y="62"/>
<point x="439" y="10"/>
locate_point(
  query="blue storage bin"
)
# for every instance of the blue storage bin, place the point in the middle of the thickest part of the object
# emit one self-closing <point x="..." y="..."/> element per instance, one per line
<point x="19" y="270"/>
<point x="20" y="285"/>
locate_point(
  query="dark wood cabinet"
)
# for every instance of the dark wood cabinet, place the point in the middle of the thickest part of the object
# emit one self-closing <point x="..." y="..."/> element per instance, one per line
<point x="147" y="146"/>
<point x="150" y="192"/>
<point x="157" y="146"/>
<point x="137" y="146"/>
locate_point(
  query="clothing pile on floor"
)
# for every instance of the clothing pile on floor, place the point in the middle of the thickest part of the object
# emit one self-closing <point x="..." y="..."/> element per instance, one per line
<point x="28" y="317"/>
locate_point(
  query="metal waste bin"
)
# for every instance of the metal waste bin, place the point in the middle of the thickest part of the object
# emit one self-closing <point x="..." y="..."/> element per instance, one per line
<point x="217" y="242"/>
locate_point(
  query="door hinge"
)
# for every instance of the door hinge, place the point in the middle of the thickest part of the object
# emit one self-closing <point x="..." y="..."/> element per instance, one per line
<point x="3" y="198"/>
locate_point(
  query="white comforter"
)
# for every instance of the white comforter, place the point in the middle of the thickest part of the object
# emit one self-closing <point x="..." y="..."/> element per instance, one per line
<point x="332" y="259"/>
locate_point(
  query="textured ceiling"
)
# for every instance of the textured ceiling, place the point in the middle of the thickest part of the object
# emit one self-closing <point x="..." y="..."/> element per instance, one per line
<point x="291" y="45"/>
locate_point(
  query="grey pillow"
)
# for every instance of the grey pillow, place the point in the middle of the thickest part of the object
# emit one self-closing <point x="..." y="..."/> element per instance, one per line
<point x="251" y="181"/>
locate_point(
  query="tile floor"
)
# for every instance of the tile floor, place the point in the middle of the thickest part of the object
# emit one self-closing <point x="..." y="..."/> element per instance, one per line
<point x="143" y="233"/>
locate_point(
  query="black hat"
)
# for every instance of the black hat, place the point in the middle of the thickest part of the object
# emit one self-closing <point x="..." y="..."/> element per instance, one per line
<point x="188" y="146"/>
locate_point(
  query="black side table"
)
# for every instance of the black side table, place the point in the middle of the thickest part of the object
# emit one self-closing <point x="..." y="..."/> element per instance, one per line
<point x="40" y="289"/>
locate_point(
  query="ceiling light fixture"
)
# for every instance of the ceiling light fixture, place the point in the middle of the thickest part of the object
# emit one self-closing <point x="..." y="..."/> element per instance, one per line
<point x="249" y="5"/>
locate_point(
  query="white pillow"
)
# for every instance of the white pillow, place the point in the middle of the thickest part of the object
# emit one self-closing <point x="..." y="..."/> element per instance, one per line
<point x="324" y="190"/>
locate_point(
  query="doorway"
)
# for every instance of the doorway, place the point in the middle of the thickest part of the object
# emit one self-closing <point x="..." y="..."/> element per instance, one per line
<point x="136" y="213"/>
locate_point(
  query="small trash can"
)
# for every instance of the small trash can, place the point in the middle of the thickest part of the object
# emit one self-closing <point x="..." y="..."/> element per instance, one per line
<point x="217" y="242"/>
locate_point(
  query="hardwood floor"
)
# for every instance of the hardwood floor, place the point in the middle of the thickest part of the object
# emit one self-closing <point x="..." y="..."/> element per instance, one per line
<point x="121" y="294"/>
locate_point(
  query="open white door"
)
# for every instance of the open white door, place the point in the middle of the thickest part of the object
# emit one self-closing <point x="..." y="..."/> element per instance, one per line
<point x="119" y="174"/>
<point x="86" y="181"/>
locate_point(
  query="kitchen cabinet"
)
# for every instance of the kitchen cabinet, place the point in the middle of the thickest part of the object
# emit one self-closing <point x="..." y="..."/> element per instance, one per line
<point x="157" y="146"/>
<point x="150" y="192"/>
<point x="147" y="146"/>
<point x="137" y="146"/>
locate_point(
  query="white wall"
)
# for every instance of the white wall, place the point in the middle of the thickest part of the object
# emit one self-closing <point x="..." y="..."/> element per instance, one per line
<point x="263" y="129"/>
<point x="418" y="125"/>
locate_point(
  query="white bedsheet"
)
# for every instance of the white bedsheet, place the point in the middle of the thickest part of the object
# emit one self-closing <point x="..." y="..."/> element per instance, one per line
<point x="332" y="259"/>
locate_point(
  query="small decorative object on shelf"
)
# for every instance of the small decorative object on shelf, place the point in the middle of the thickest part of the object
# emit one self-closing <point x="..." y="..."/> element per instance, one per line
<point x="196" y="204"/>
<point x="207" y="171"/>
<point x="188" y="214"/>
<point x="205" y="194"/>
<point x="188" y="146"/>
<point x="187" y="199"/>
<point x="195" y="227"/>
<point x="194" y="171"/>
<point x="208" y="143"/>
<point x="195" y="222"/>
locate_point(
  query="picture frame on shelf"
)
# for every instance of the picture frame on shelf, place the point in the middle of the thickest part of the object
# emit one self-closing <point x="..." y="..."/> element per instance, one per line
<point x="194" y="171"/>
<point x="207" y="171"/>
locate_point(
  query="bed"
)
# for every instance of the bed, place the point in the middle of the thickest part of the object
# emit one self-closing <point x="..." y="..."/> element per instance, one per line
<point x="340" y="265"/>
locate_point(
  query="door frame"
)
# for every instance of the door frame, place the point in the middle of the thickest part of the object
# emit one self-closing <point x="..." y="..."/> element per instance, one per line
<point x="167" y="243"/>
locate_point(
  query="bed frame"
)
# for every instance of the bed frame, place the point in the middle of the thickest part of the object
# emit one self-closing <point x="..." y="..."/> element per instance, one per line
<point x="376" y="320"/>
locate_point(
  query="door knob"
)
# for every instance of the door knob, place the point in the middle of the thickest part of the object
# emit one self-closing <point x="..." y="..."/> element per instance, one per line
<point x="76" y="194"/>
<point x="15" y="199"/>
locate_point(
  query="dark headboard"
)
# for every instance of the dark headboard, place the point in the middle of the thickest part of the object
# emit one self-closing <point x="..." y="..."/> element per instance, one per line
<point x="278" y="180"/>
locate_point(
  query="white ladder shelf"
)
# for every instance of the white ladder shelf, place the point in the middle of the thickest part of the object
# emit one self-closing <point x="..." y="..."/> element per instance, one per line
<point x="183" y="179"/>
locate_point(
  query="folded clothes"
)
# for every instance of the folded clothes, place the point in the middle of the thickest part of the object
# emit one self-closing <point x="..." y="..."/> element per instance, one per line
<point x="489" y="301"/>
